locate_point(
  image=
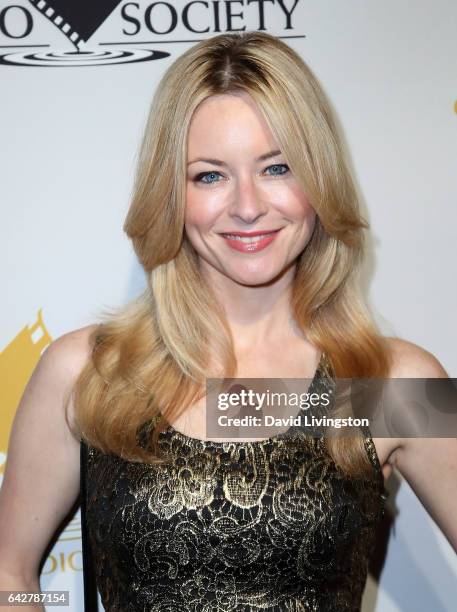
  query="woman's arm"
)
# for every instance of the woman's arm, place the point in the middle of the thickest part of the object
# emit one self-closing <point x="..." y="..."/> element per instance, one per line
<point x="42" y="475"/>
<point x="428" y="464"/>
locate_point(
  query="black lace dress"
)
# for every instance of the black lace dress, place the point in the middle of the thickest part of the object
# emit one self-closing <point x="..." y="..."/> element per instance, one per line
<point x="267" y="525"/>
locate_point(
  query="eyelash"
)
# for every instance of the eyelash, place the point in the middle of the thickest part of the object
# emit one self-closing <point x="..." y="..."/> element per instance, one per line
<point x="201" y="175"/>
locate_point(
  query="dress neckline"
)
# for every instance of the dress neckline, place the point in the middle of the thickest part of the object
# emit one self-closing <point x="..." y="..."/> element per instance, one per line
<point x="323" y="369"/>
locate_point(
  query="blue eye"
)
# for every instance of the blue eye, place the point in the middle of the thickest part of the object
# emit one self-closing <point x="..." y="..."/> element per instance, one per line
<point x="279" y="166"/>
<point x="199" y="178"/>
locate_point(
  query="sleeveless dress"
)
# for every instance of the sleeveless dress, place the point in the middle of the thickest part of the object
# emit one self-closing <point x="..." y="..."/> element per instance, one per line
<point x="270" y="525"/>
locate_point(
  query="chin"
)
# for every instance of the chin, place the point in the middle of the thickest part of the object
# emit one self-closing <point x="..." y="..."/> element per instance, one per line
<point x="254" y="278"/>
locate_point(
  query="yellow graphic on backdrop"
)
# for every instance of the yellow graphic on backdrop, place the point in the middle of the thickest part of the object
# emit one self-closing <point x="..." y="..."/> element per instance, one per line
<point x="17" y="362"/>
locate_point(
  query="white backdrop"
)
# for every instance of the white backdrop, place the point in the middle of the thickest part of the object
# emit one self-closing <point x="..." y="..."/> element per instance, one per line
<point x="69" y="138"/>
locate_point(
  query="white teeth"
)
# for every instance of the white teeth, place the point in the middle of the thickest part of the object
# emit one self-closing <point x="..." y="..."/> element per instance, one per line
<point x="248" y="239"/>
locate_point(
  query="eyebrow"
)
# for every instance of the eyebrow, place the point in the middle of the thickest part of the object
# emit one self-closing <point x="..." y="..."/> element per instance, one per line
<point x="218" y="162"/>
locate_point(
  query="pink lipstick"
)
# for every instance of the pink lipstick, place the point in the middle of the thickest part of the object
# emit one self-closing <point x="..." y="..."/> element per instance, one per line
<point x="250" y="242"/>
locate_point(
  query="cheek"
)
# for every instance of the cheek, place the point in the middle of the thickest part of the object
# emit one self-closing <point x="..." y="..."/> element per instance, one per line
<point x="301" y="210"/>
<point x="196" y="212"/>
<point x="202" y="209"/>
<point x="294" y="202"/>
<point x="196" y="220"/>
<point x="309" y="213"/>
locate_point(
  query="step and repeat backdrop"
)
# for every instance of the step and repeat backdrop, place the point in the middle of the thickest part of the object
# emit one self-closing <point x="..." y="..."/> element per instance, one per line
<point x="76" y="80"/>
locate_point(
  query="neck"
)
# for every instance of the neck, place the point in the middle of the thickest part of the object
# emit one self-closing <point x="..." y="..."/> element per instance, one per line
<point x="257" y="315"/>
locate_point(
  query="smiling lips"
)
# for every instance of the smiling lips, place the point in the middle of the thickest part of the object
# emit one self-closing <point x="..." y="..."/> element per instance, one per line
<point x="249" y="242"/>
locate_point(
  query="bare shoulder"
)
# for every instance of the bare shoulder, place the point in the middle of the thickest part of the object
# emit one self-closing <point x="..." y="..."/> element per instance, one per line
<point x="71" y="350"/>
<point x="63" y="360"/>
<point x="409" y="360"/>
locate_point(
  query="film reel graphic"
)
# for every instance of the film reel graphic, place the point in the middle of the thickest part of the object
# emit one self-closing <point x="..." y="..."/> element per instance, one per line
<point x="78" y="20"/>
<point x="81" y="58"/>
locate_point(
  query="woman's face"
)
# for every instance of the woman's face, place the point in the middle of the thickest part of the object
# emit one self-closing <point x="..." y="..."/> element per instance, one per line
<point x="238" y="182"/>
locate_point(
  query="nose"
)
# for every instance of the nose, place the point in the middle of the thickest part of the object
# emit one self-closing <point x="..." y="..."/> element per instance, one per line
<point x="247" y="204"/>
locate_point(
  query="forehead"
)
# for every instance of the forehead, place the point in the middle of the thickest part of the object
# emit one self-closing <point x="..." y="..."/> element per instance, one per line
<point x="233" y="99"/>
<point x="223" y="119"/>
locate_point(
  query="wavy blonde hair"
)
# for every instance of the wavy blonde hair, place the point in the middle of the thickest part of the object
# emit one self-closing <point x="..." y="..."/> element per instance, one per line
<point x="150" y="358"/>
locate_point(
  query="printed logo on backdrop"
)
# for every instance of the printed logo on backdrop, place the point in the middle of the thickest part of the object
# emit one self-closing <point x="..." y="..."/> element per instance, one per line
<point x="63" y="33"/>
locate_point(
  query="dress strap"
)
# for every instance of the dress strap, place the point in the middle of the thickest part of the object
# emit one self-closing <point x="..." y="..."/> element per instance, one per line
<point x="90" y="585"/>
<point x="326" y="366"/>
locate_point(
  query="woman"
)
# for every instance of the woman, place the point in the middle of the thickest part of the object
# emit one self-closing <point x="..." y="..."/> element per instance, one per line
<point x="240" y="140"/>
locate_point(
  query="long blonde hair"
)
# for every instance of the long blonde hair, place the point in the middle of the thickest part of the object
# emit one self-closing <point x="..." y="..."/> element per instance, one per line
<point x="150" y="357"/>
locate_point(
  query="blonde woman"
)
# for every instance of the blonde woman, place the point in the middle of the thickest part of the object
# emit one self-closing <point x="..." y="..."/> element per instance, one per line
<point x="245" y="218"/>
